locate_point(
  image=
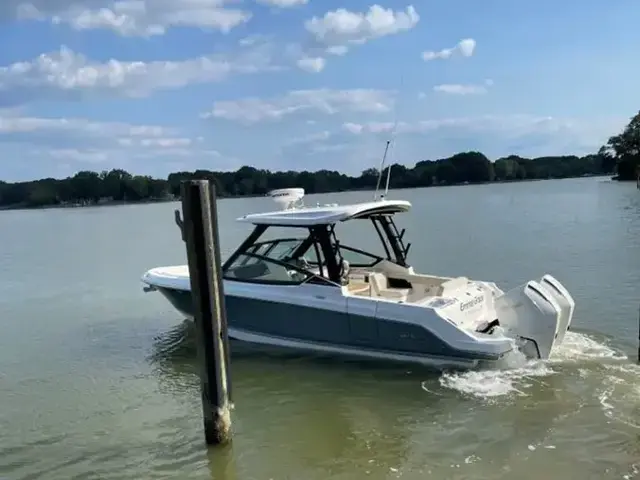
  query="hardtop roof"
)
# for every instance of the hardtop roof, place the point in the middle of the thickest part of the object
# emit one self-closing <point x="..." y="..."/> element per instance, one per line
<point x="326" y="214"/>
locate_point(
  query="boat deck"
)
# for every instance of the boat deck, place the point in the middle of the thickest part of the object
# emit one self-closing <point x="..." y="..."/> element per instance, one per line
<point x="419" y="290"/>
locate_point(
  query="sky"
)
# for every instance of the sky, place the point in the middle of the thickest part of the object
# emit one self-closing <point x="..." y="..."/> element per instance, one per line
<point x="156" y="86"/>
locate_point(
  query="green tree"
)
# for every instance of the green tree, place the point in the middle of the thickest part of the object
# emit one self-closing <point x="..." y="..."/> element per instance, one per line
<point x="115" y="184"/>
<point x="87" y="186"/>
<point x="624" y="148"/>
<point x="466" y="167"/>
<point x="42" y="194"/>
<point x="507" y="168"/>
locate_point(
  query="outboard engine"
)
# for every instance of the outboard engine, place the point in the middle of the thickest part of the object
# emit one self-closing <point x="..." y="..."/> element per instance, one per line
<point x="536" y="315"/>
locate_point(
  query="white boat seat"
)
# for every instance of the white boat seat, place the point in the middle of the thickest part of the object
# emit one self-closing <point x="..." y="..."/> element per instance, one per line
<point x="380" y="288"/>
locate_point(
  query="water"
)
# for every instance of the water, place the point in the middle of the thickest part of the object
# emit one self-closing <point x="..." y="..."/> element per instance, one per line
<point x="97" y="379"/>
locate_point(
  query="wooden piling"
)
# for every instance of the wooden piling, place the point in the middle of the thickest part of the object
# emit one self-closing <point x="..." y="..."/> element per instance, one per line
<point x="200" y="231"/>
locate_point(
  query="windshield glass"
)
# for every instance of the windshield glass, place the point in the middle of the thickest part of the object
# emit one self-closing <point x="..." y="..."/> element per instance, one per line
<point x="278" y="249"/>
<point x="360" y="234"/>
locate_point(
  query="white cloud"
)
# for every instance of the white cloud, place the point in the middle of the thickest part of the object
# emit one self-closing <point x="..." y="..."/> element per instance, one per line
<point x="60" y="147"/>
<point x="326" y="101"/>
<point x="177" y="151"/>
<point x="254" y="39"/>
<point x="459" y="89"/>
<point x="66" y="73"/>
<point x="352" y="127"/>
<point x="81" y="156"/>
<point x="283" y="3"/>
<point x="379" y="127"/>
<point x="12" y="124"/>
<point x="465" y="47"/>
<point x="337" y="50"/>
<point x="44" y="144"/>
<point x="462" y="89"/>
<point x="83" y="140"/>
<point x="588" y="132"/>
<point x="307" y="138"/>
<point x="342" y="27"/>
<point x="130" y="17"/>
<point x="166" y="142"/>
<point x="361" y="144"/>
<point x="329" y="148"/>
<point x="312" y="64"/>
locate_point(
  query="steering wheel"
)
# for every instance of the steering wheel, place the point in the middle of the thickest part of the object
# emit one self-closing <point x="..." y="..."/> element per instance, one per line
<point x="299" y="262"/>
<point x="344" y="269"/>
<point x="304" y="263"/>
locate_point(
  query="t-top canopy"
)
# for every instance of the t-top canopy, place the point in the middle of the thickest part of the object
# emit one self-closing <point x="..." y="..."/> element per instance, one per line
<point x="328" y="214"/>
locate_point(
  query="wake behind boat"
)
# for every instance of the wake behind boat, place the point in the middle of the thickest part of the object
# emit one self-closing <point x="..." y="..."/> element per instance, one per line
<point x="308" y="291"/>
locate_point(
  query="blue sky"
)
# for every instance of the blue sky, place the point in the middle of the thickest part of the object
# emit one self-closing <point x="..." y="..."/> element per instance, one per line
<point x="155" y="86"/>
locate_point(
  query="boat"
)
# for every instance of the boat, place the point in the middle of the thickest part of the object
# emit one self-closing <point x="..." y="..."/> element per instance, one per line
<point x="306" y="291"/>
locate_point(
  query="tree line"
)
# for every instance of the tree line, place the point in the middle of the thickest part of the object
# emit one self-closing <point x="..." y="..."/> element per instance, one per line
<point x="620" y="156"/>
<point x="90" y="188"/>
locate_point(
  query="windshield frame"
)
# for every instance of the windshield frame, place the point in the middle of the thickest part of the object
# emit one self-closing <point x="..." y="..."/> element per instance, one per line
<point x="322" y="244"/>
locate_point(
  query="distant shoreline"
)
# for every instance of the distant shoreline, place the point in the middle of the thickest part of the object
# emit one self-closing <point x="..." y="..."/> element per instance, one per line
<point x="116" y="203"/>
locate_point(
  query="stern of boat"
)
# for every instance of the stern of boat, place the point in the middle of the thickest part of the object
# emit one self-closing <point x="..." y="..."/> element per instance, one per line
<point x="537" y="314"/>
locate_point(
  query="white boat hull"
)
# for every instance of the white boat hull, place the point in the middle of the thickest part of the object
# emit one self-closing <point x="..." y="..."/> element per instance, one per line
<point x="454" y="330"/>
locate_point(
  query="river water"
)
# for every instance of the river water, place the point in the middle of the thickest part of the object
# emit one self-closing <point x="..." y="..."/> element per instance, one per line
<point x="97" y="379"/>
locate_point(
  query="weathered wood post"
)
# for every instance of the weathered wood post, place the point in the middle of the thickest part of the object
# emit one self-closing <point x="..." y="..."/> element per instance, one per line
<point x="639" y="334"/>
<point x="200" y="232"/>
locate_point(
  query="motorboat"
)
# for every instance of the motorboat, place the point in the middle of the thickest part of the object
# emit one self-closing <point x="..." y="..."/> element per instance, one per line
<point x="305" y="290"/>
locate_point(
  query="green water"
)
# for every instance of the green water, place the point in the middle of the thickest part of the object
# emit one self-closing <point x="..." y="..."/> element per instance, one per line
<point x="97" y="379"/>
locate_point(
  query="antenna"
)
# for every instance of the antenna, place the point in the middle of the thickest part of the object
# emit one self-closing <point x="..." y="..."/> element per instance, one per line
<point x="386" y="188"/>
<point x="386" y="150"/>
<point x="384" y="157"/>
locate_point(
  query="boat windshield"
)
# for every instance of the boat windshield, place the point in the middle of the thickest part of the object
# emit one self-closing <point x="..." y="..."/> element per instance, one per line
<point x="317" y="257"/>
<point x="289" y="250"/>
<point x="278" y="248"/>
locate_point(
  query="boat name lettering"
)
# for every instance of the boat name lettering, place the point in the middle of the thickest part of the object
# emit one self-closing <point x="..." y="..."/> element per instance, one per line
<point x="471" y="303"/>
